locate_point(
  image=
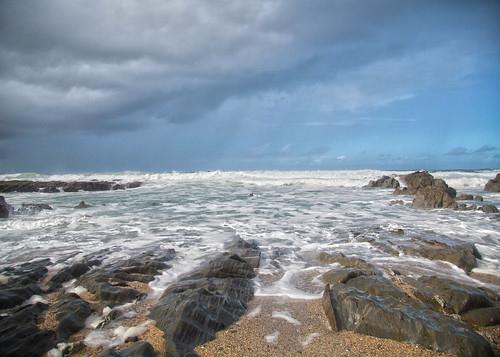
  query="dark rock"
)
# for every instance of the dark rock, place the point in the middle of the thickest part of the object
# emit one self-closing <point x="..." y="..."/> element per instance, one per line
<point x="11" y="296"/>
<point x="487" y="316"/>
<point x="134" y="184"/>
<point x="343" y="275"/>
<point x="72" y="272"/>
<point x="87" y="186"/>
<point x="50" y="189"/>
<point x="52" y="186"/>
<point x="71" y="312"/>
<point x="384" y="182"/>
<point x="4" y="208"/>
<point x="450" y="296"/>
<point x="377" y="285"/>
<point x="82" y="205"/>
<point x="401" y="191"/>
<point x="464" y="197"/>
<point x="138" y="349"/>
<point x="478" y="198"/>
<point x="18" y="186"/>
<point x="32" y="208"/>
<point x="118" y="186"/>
<point x="463" y="255"/>
<point x="489" y="209"/>
<point x="350" y="262"/>
<point x="465" y="207"/>
<point x="436" y="195"/>
<point x="493" y="185"/>
<point x="248" y="251"/>
<point x="202" y="302"/>
<point x="20" y="336"/>
<point x="351" y="309"/>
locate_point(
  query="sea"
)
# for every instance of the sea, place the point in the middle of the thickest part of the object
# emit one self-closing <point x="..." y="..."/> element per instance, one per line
<point x="292" y="215"/>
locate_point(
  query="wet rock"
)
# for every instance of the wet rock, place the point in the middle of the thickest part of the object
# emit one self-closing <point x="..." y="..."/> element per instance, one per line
<point x="465" y="207"/>
<point x="82" y="205"/>
<point x="349" y="308"/>
<point x="71" y="312"/>
<point x="87" y="186"/>
<point x="32" y="208"/>
<point x="464" y="197"/>
<point x="493" y="185"/>
<point x="463" y="255"/>
<point x="134" y="184"/>
<point x="396" y="202"/>
<point x="138" y="349"/>
<point x="436" y="195"/>
<point x="487" y="316"/>
<point x="71" y="272"/>
<point x="478" y="198"/>
<point x="52" y="186"/>
<point x="339" y="258"/>
<point x="450" y="296"/>
<point x="18" y="186"/>
<point x="4" y="208"/>
<point x="384" y="182"/>
<point x="377" y="285"/>
<point x="401" y="191"/>
<point x="118" y="186"/>
<point x="20" y="336"/>
<point x="50" y="189"/>
<point x="202" y="302"/>
<point x="248" y="251"/>
<point x="343" y="275"/>
<point x="417" y="180"/>
<point x="11" y="296"/>
<point x="489" y="209"/>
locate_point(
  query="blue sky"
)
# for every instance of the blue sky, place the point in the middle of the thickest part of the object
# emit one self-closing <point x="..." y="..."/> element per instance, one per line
<point x="187" y="85"/>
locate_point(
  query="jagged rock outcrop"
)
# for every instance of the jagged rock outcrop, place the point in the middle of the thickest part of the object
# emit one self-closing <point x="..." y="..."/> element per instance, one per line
<point x="389" y="313"/>
<point x="53" y="186"/>
<point x="493" y="185"/>
<point x="4" y="208"/>
<point x="417" y="180"/>
<point x="384" y="182"/>
<point x="207" y="299"/>
<point x="436" y="195"/>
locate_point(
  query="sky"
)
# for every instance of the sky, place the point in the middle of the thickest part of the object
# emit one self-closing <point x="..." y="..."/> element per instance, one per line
<point x="185" y="85"/>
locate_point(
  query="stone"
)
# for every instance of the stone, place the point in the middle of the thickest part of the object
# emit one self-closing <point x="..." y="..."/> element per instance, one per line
<point x="50" y="189"/>
<point x="32" y="208"/>
<point x="383" y="182"/>
<point x="343" y="275"/>
<point x="4" y="208"/>
<point x="417" y="180"/>
<point x="20" y="335"/>
<point x="339" y="258"/>
<point x="138" y="349"/>
<point x="486" y="316"/>
<point x="134" y="184"/>
<point x="489" y="209"/>
<point x="204" y="301"/>
<point x="493" y="185"/>
<point x="71" y="312"/>
<point x="65" y="274"/>
<point x="478" y="198"/>
<point x="82" y="205"/>
<point x="118" y="186"/>
<point x="349" y="308"/>
<point x="436" y="195"/>
<point x="450" y="296"/>
<point x="464" y="197"/>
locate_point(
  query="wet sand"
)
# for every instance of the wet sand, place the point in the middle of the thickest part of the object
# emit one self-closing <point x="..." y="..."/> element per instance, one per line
<point x="306" y="333"/>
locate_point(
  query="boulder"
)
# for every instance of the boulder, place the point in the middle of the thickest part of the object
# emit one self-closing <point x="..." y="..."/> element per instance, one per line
<point x="401" y="191"/>
<point x="340" y="258"/>
<point x="486" y="316"/>
<point x="463" y="255"/>
<point x="71" y="312"/>
<point x="82" y="205"/>
<point x="32" y="208"/>
<point x="349" y="308"/>
<point x="436" y="195"/>
<point x="118" y="186"/>
<point x="464" y="197"/>
<point x="383" y="182"/>
<point x="343" y="275"/>
<point x="20" y="335"/>
<point x="478" y="198"/>
<point x="417" y="180"/>
<point x="489" y="209"/>
<point x="450" y="296"/>
<point x="134" y="184"/>
<point x="493" y="185"/>
<point x="204" y="301"/>
<point x="65" y="274"/>
<point x="4" y="208"/>
<point x="87" y="186"/>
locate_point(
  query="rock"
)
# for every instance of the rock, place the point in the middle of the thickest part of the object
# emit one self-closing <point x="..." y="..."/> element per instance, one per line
<point x="343" y="275"/>
<point x="384" y="182"/>
<point x="87" y="186"/>
<point x="493" y="185"/>
<point x="436" y="195"/>
<point x="418" y="180"/>
<point x="463" y="255"/>
<point x="489" y="209"/>
<point x="11" y="296"/>
<point x="134" y="184"/>
<point x="377" y="285"/>
<point x="401" y="191"/>
<point x="50" y="189"/>
<point x="118" y="186"/>
<point x="396" y="202"/>
<point x="450" y="296"/>
<point x="202" y="302"/>
<point x="465" y="207"/>
<point x="82" y="205"/>
<point x="72" y="272"/>
<point x="18" y="186"/>
<point x="248" y="251"/>
<point x="4" y="208"/>
<point x="138" y="349"/>
<point x="20" y="336"/>
<point x="355" y="310"/>
<point x="464" y="197"/>
<point x="71" y="312"/>
<point x="32" y="208"/>
<point x="487" y="316"/>
<point x="339" y="258"/>
<point x="478" y="198"/>
<point x="52" y="186"/>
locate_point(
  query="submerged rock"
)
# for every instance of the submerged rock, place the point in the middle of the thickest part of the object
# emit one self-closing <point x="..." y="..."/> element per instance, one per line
<point x="20" y="335"/>
<point x="349" y="308"/>
<point x="32" y="208"/>
<point x="4" y="208"/>
<point x="384" y="182"/>
<point x="202" y="302"/>
<point x="489" y="209"/>
<point x="493" y="185"/>
<point x="82" y="205"/>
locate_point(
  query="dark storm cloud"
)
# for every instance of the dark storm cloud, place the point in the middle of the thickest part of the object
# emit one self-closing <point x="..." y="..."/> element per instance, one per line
<point x="110" y="66"/>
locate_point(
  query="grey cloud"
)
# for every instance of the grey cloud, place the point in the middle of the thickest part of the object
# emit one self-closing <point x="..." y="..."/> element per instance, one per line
<point x="485" y="148"/>
<point x="110" y="66"/>
<point x="458" y="151"/>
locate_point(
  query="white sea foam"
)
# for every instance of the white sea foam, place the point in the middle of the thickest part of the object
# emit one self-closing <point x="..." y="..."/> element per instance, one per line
<point x="310" y="338"/>
<point x="285" y="315"/>
<point x="272" y="338"/>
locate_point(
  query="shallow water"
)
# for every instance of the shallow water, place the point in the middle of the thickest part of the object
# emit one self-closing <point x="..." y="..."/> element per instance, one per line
<point x="292" y="215"/>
